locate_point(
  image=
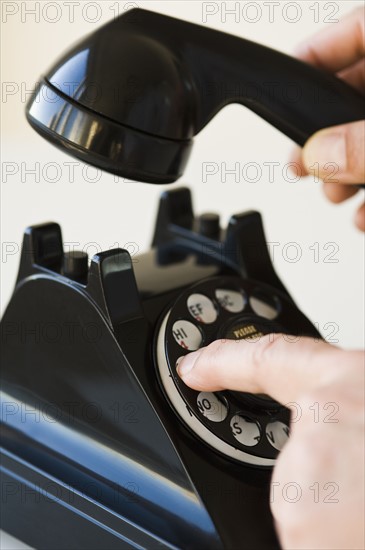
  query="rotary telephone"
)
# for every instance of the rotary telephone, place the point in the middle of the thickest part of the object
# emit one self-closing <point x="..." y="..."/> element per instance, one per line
<point x="103" y="444"/>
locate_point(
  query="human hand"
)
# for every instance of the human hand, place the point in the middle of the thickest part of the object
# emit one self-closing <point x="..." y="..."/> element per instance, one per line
<point x="324" y="458"/>
<point x="340" y="49"/>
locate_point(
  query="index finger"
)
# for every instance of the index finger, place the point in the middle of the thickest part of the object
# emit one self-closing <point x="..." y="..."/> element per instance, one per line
<point x="337" y="47"/>
<point x="279" y="365"/>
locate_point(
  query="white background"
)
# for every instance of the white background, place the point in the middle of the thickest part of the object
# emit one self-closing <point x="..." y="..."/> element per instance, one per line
<point x="109" y="213"/>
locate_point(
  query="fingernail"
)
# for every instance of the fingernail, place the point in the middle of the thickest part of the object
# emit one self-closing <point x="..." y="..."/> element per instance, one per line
<point x="324" y="147"/>
<point x="185" y="364"/>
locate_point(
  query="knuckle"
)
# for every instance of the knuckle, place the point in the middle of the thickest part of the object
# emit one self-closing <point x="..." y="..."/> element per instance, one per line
<point x="207" y="366"/>
<point x="215" y="351"/>
<point x="263" y="351"/>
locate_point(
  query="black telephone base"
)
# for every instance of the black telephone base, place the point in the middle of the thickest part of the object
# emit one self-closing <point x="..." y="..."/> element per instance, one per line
<point x="93" y="456"/>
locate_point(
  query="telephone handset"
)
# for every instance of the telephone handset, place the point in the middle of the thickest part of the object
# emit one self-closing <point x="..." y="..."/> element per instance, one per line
<point x="131" y="96"/>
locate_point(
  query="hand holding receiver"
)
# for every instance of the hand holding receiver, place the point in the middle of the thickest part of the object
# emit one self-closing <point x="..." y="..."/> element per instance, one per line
<point x="340" y="49"/>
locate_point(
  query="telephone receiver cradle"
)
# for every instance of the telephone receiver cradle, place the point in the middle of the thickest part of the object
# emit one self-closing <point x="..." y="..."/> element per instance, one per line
<point x="103" y="445"/>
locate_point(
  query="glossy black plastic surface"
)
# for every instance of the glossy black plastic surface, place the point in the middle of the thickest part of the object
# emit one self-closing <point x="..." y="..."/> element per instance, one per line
<point x="130" y="97"/>
<point x="85" y="422"/>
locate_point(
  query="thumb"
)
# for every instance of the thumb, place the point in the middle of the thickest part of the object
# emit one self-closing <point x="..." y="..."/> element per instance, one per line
<point x="337" y="154"/>
<point x="279" y="365"/>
